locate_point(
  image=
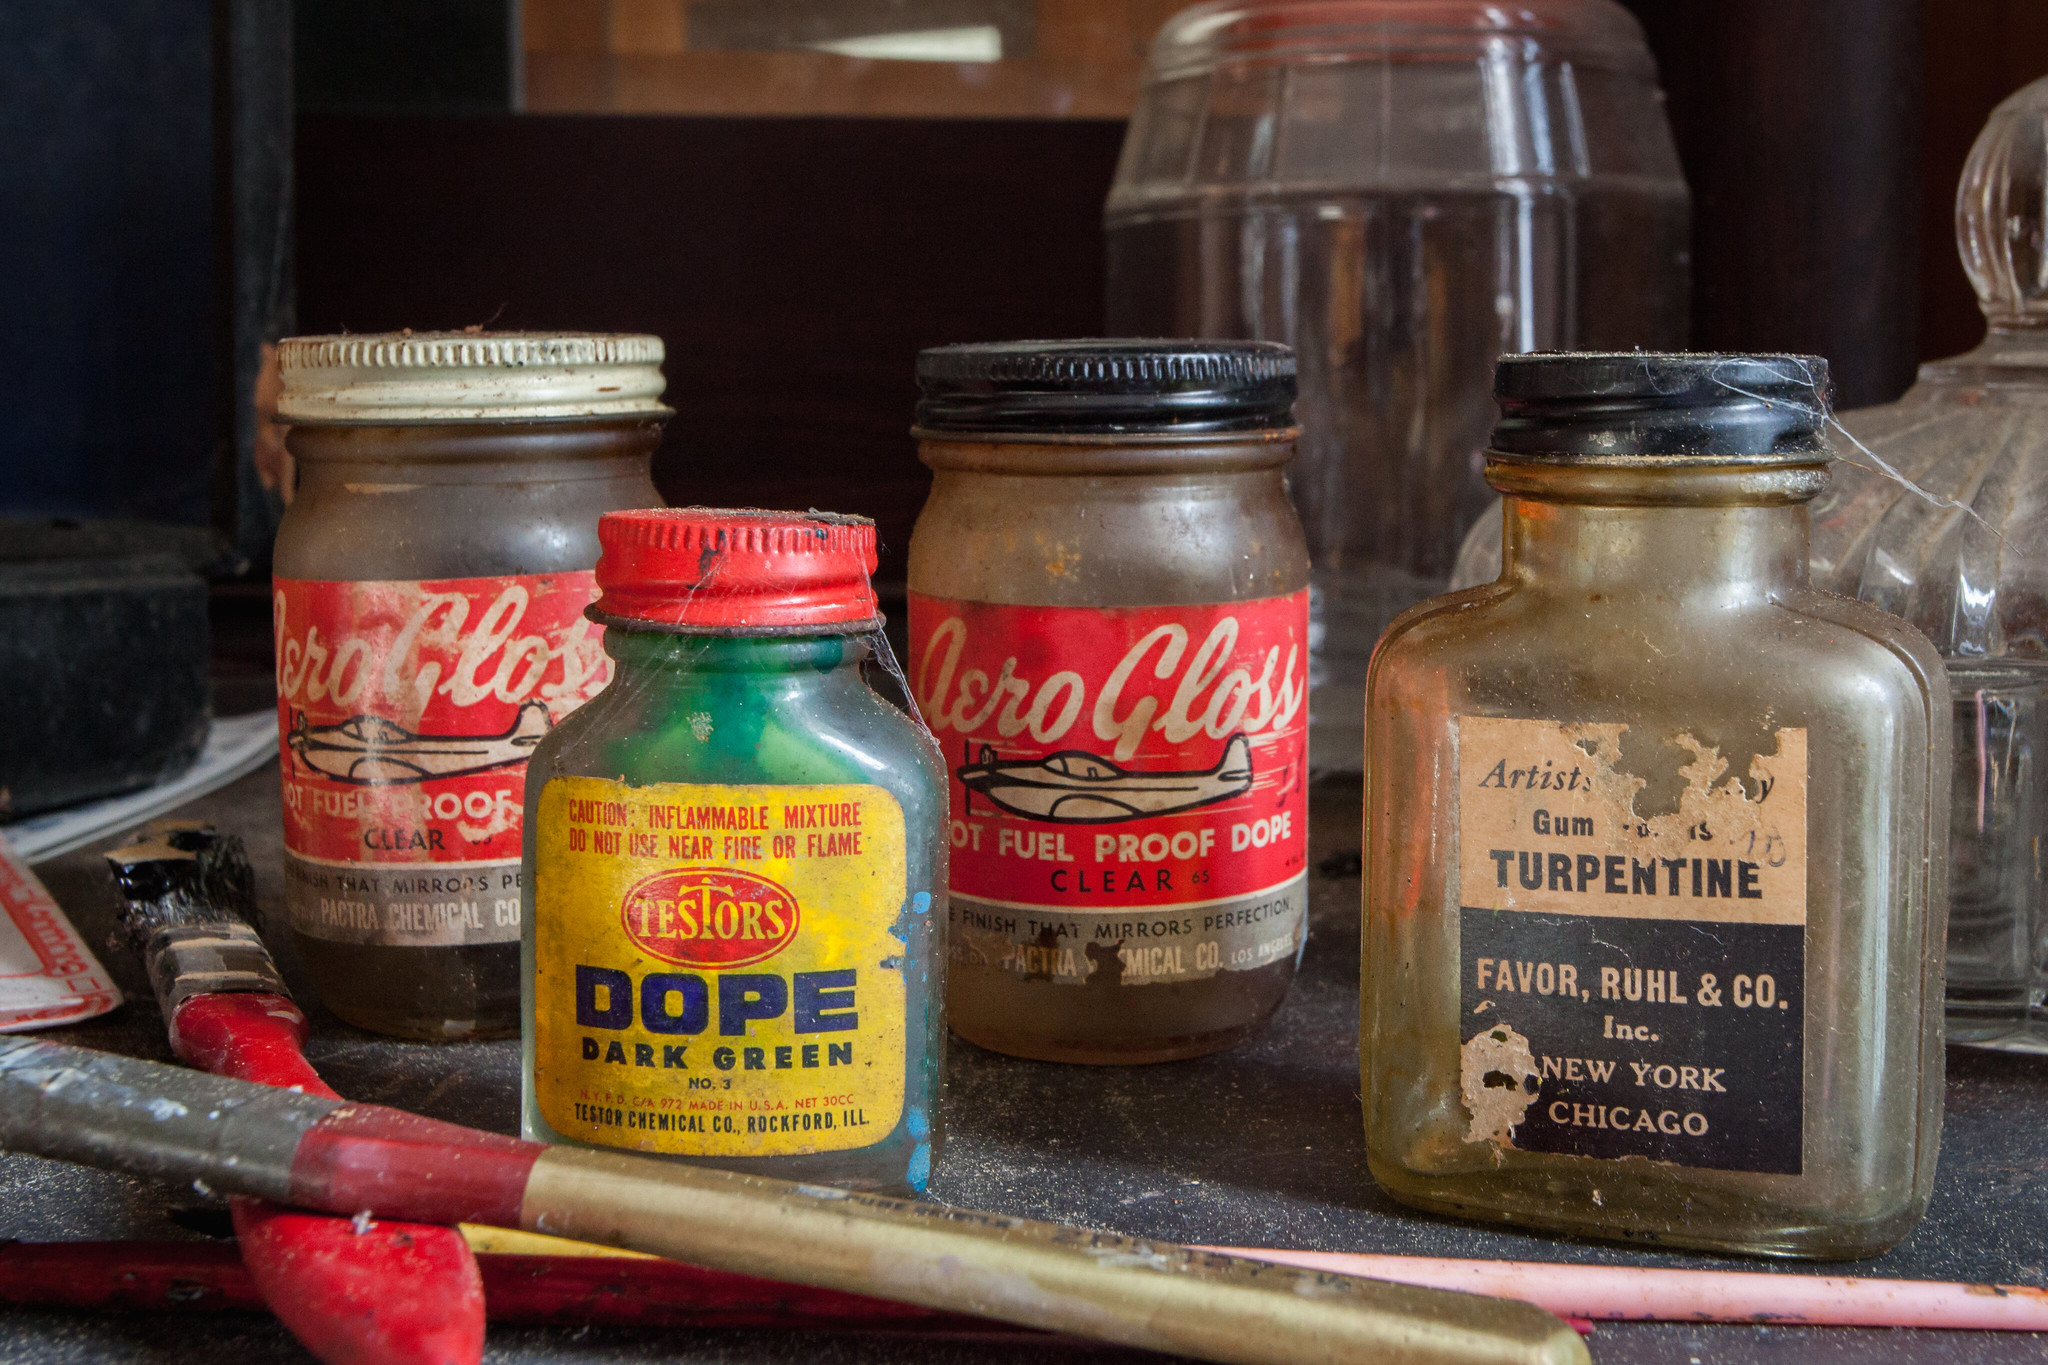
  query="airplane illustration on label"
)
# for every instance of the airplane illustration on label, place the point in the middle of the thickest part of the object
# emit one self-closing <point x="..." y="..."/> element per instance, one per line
<point x="1076" y="787"/>
<point x="371" y="751"/>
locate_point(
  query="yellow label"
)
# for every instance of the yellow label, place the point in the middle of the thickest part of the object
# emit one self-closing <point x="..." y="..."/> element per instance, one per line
<point x="715" y="972"/>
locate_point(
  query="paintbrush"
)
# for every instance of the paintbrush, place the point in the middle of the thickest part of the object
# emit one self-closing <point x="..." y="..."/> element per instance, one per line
<point x="146" y="1119"/>
<point x="399" y="1294"/>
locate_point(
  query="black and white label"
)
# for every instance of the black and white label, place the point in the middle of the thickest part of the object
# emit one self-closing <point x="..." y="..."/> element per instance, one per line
<point x="1674" y="1040"/>
<point x="1632" y="980"/>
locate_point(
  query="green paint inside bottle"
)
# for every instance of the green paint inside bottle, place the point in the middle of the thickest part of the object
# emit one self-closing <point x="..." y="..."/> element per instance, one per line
<point x="781" y="712"/>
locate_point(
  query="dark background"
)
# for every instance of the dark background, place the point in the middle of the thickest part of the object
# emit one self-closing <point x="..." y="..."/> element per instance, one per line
<point x="794" y="265"/>
<point x="106" y="215"/>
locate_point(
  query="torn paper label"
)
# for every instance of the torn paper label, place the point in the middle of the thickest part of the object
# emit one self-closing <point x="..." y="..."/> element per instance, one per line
<point x="1552" y="819"/>
<point x="1500" y="1082"/>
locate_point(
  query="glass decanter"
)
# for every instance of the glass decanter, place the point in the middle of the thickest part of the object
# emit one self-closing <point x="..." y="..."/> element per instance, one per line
<point x="1963" y="554"/>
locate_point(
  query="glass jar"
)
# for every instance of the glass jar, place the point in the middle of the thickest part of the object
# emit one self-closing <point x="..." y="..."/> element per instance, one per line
<point x="430" y="577"/>
<point x="734" y="950"/>
<point x="1655" y="840"/>
<point x="1109" y="637"/>
<point x="1963" y="555"/>
<point x="1402" y="190"/>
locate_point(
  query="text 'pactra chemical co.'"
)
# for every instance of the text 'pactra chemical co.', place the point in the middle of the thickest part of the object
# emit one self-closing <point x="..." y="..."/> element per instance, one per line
<point x="431" y="578"/>
<point x="1109" y="636"/>
<point x="738" y="867"/>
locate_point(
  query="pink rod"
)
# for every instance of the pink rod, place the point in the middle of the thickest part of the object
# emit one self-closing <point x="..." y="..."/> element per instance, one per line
<point x="1641" y="1293"/>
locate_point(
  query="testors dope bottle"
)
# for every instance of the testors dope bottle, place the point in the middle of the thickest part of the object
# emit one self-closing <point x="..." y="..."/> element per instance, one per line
<point x="1656" y="838"/>
<point x="735" y="927"/>
<point x="1109" y="636"/>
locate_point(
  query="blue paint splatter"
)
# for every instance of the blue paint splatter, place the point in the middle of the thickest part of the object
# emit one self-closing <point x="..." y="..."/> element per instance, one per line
<point x="920" y="1127"/>
<point x="920" y="1167"/>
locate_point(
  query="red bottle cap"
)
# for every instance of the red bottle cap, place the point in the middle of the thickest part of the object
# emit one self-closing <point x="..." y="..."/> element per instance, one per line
<point x="716" y="571"/>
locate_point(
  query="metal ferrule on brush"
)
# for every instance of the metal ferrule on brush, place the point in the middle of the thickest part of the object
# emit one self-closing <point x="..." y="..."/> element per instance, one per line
<point x="208" y="959"/>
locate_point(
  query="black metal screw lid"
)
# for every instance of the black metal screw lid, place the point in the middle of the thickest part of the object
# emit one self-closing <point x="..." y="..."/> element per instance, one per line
<point x="1591" y="407"/>
<point x="1105" y="387"/>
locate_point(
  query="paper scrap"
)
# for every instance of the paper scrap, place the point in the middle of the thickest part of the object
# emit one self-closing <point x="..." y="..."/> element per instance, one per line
<point x="47" y="974"/>
<point x="1500" y="1082"/>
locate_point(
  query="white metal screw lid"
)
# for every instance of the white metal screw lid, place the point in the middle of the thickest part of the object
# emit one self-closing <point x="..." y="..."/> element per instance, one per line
<point x="404" y="378"/>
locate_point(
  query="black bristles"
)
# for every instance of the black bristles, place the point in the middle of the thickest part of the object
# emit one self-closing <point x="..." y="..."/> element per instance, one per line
<point x="181" y="873"/>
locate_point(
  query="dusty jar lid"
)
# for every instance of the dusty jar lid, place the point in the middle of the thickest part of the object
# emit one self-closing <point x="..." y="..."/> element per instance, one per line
<point x="719" y="571"/>
<point x="406" y="378"/>
<point x="1649" y="407"/>
<point x="1105" y="386"/>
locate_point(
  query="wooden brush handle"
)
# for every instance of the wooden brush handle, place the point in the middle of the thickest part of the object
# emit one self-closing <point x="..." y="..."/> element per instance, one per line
<point x="378" y="1293"/>
<point x="353" y="1291"/>
<point x="1130" y="1290"/>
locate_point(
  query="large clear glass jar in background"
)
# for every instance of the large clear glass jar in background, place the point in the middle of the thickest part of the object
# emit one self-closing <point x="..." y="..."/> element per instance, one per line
<point x="1402" y="190"/>
<point x="1655" y="840"/>
<point x="429" y="584"/>
<point x="1966" y="560"/>
<point x="1109" y="636"/>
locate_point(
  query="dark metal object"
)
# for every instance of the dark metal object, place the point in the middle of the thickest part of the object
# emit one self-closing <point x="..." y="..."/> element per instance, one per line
<point x="106" y="286"/>
<point x="103" y="658"/>
<point x="253" y="256"/>
<point x="148" y="233"/>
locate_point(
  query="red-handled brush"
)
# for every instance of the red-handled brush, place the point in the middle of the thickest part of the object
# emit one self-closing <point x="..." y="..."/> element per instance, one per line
<point x="174" y="1124"/>
<point x="355" y="1292"/>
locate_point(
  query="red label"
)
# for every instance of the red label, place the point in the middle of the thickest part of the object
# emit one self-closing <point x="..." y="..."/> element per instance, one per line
<point x="48" y="976"/>
<point x="1104" y="758"/>
<point x="406" y="710"/>
<point x="710" y="917"/>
